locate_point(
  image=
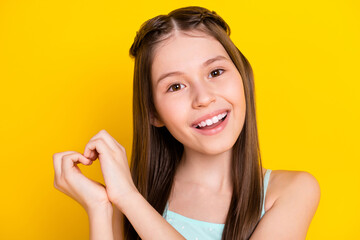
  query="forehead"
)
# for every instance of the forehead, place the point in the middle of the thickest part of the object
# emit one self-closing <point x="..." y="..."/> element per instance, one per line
<point x="183" y="50"/>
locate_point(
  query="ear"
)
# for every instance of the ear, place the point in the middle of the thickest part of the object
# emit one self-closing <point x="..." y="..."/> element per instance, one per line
<point x="155" y="121"/>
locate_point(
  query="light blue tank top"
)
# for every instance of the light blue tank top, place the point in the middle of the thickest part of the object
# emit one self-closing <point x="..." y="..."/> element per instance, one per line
<point x="195" y="229"/>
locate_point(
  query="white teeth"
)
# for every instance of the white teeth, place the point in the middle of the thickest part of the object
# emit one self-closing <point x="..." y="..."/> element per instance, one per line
<point x="215" y="119"/>
<point x="208" y="122"/>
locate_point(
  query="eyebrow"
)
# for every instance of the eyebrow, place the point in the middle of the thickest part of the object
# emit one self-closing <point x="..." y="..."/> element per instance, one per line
<point x="206" y="63"/>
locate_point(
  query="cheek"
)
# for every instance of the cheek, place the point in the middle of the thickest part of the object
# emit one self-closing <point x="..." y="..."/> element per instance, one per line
<point x="174" y="114"/>
<point x="172" y="110"/>
<point x="233" y="89"/>
<point x="233" y="92"/>
<point x="240" y="97"/>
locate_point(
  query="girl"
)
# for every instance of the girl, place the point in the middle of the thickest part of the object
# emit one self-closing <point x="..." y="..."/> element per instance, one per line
<point x="196" y="171"/>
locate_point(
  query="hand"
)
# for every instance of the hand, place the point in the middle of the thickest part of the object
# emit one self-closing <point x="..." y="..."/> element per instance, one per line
<point x="114" y="166"/>
<point x="69" y="180"/>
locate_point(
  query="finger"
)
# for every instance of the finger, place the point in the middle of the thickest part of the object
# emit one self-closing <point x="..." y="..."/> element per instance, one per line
<point x="97" y="145"/>
<point x="89" y="153"/>
<point x="69" y="161"/>
<point x="57" y="162"/>
<point x="92" y="155"/>
<point x="111" y="141"/>
<point x="106" y="138"/>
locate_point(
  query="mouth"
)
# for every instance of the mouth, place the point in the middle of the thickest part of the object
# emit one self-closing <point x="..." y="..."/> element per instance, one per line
<point x="212" y="120"/>
<point x="212" y="124"/>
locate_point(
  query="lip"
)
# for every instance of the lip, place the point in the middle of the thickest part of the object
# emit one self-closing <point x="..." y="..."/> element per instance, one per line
<point x="209" y="116"/>
<point x="217" y="129"/>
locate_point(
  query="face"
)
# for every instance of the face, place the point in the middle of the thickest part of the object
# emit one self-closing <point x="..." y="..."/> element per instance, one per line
<point x="198" y="92"/>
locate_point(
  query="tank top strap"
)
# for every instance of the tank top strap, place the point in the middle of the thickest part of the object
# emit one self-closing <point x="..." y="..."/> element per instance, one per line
<point x="166" y="209"/>
<point x="266" y="182"/>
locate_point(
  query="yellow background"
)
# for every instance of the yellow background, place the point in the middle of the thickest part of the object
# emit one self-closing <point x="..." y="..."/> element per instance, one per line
<point x="66" y="74"/>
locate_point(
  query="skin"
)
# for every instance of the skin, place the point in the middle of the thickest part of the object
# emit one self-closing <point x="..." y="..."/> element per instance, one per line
<point x="198" y="90"/>
<point x="204" y="173"/>
<point x="104" y="218"/>
<point x="202" y="187"/>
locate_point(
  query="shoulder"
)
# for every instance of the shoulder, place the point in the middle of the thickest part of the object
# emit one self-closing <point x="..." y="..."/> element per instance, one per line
<point x="291" y="202"/>
<point x="291" y="183"/>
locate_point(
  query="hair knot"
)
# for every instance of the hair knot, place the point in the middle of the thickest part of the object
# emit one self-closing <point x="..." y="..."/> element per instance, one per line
<point x="208" y="14"/>
<point x="211" y="16"/>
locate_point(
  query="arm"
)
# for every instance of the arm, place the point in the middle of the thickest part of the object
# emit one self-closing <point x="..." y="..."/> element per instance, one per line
<point x="291" y="214"/>
<point x="148" y="223"/>
<point x="100" y="223"/>
<point x="118" y="224"/>
<point x="122" y="192"/>
<point x="89" y="194"/>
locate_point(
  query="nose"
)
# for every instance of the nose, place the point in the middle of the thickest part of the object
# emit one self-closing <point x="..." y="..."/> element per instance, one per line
<point x="203" y="95"/>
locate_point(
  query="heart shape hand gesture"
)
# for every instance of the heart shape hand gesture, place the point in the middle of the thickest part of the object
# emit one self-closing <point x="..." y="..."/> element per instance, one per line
<point x="114" y="166"/>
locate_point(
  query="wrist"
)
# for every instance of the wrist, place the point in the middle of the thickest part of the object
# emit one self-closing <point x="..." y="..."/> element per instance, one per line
<point x="100" y="223"/>
<point x="123" y="203"/>
<point x="104" y="209"/>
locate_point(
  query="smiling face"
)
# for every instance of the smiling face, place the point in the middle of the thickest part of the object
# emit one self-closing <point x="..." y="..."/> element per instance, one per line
<point x="198" y="92"/>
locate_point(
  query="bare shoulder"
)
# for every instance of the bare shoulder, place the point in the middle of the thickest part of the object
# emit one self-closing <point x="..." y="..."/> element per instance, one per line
<point x="291" y="184"/>
<point x="283" y="183"/>
<point x="291" y="201"/>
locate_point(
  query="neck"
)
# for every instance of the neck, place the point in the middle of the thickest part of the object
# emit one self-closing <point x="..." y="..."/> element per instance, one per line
<point x="212" y="172"/>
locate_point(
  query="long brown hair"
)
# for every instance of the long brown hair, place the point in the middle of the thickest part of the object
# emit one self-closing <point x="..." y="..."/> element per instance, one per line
<point x="156" y="153"/>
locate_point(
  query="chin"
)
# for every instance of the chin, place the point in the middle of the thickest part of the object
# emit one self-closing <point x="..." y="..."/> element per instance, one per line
<point x="216" y="148"/>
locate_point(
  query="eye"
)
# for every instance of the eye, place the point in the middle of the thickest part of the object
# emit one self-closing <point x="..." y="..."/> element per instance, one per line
<point x="216" y="73"/>
<point x="176" y="87"/>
